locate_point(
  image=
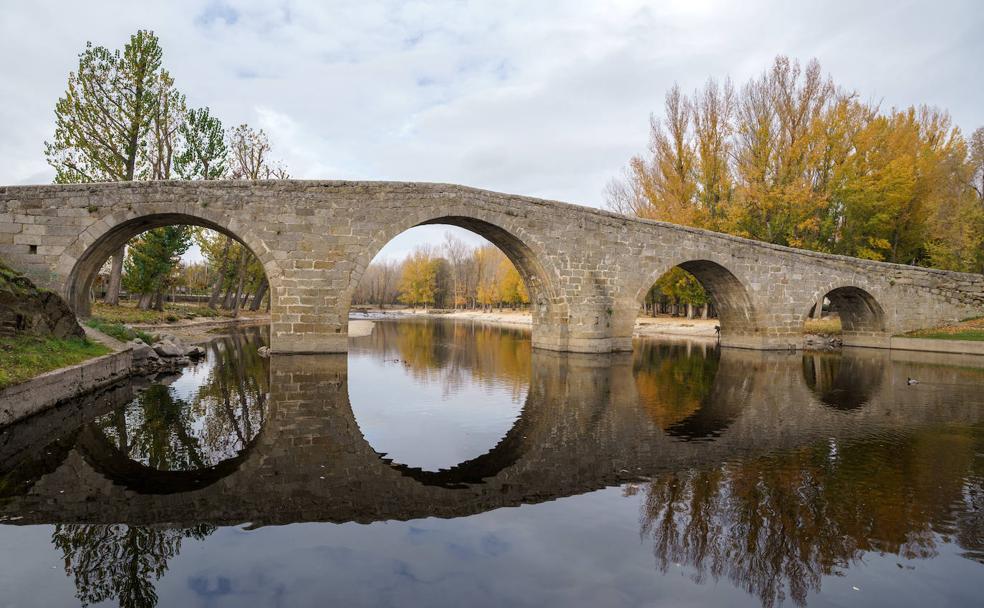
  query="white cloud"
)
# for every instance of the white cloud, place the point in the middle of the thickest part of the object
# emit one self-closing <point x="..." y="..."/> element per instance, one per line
<point x="541" y="98"/>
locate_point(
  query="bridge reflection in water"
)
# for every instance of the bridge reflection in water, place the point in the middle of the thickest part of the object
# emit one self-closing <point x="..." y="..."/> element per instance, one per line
<point x="771" y="470"/>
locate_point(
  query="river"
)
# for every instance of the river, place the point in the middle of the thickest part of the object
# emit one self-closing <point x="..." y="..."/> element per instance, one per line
<point x="445" y="463"/>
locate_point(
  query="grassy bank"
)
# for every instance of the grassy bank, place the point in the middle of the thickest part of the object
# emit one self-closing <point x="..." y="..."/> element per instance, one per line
<point x="118" y="330"/>
<point x="971" y="329"/>
<point x="127" y="312"/>
<point x="823" y="327"/>
<point x="24" y="357"/>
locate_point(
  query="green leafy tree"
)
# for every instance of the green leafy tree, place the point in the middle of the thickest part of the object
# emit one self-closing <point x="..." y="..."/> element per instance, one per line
<point x="103" y="120"/>
<point x="154" y="256"/>
<point x="203" y="147"/>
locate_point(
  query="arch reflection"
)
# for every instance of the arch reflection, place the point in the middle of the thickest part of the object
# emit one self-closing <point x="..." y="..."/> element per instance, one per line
<point x="174" y="439"/>
<point x="843" y="381"/>
<point x="688" y="389"/>
<point x="463" y="388"/>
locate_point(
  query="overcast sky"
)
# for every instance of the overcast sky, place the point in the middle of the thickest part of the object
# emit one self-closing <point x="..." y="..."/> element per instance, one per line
<point x="547" y="99"/>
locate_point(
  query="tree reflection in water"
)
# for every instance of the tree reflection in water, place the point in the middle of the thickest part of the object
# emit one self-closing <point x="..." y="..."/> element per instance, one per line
<point x="673" y="379"/>
<point x="776" y="525"/>
<point x="166" y="432"/>
<point x="118" y="561"/>
<point x="454" y="354"/>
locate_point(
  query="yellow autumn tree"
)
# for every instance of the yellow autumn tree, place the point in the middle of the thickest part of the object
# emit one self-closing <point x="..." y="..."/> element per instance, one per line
<point x="792" y="159"/>
<point x="418" y="278"/>
<point x="512" y="289"/>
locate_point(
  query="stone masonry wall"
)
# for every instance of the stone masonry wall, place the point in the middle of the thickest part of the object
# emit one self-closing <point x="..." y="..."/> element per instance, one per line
<point x="587" y="270"/>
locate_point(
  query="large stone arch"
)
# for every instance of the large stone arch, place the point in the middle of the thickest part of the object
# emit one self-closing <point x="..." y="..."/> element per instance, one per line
<point x="741" y="323"/>
<point x="548" y="306"/>
<point x="81" y="261"/>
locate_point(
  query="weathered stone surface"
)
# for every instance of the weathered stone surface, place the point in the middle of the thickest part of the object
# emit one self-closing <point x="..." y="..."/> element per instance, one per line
<point x="26" y="309"/>
<point x="143" y="353"/>
<point x="166" y="348"/>
<point x="587" y="270"/>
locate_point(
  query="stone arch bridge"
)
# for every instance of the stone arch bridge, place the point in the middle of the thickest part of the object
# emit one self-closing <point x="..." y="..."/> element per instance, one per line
<point x="587" y="270"/>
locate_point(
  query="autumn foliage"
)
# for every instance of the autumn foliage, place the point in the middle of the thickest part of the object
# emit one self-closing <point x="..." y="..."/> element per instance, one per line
<point x="793" y="159"/>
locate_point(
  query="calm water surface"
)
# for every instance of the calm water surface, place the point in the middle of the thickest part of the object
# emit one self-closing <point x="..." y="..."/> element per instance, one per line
<point x="444" y="464"/>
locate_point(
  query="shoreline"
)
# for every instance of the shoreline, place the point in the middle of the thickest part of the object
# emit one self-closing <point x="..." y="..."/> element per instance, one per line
<point x="645" y="327"/>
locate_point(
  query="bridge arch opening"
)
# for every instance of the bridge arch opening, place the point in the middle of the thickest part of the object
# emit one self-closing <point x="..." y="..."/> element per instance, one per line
<point x="846" y="310"/>
<point x="701" y="294"/>
<point x="461" y="265"/>
<point x="240" y="259"/>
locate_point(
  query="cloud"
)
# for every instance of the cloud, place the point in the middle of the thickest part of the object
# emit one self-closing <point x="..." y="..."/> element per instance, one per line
<point x="542" y="98"/>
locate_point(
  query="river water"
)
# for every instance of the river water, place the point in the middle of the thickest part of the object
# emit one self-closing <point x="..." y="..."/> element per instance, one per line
<point x="449" y="464"/>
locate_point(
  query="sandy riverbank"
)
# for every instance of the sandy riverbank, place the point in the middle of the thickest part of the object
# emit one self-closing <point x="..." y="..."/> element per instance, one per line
<point x="645" y="326"/>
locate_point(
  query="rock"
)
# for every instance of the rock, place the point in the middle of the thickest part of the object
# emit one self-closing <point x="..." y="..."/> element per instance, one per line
<point x="819" y="342"/>
<point x="263" y="351"/>
<point x="143" y="353"/>
<point x="24" y="308"/>
<point x="166" y="348"/>
<point x="195" y="352"/>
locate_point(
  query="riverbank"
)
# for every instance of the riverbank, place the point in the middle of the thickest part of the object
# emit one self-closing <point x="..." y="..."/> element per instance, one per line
<point x="197" y="331"/>
<point x="644" y="327"/>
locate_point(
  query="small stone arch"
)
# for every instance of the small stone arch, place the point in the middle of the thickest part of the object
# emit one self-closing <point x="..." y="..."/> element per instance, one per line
<point x="548" y="306"/>
<point x="81" y="261"/>
<point x="859" y="310"/>
<point x="728" y="293"/>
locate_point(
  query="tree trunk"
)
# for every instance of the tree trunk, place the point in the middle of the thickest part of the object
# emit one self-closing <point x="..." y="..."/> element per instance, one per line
<point x="690" y="310"/>
<point x="818" y="309"/>
<point x="258" y="296"/>
<point x="159" y="301"/>
<point x="239" y="286"/>
<point x="703" y="311"/>
<point x="213" y="300"/>
<point x="115" y="275"/>
<point x="146" y="299"/>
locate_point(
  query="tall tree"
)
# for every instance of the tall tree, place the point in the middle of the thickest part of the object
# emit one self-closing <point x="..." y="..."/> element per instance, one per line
<point x="792" y="159"/>
<point x="202" y="145"/>
<point x="249" y="152"/>
<point x="166" y="122"/>
<point x="102" y="121"/>
<point x="153" y="258"/>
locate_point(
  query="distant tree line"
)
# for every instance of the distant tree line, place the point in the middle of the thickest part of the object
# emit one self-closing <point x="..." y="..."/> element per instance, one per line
<point x="122" y="119"/>
<point x="453" y="276"/>
<point x="791" y="158"/>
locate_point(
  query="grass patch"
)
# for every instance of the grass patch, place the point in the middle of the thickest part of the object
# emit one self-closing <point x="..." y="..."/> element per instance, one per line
<point x="127" y="312"/>
<point x="970" y="329"/>
<point x="118" y="330"/>
<point x="26" y="356"/>
<point x="823" y="327"/>
<point x="974" y="335"/>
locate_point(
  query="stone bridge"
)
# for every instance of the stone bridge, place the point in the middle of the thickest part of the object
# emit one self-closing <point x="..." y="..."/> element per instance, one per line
<point x="582" y="428"/>
<point x="587" y="270"/>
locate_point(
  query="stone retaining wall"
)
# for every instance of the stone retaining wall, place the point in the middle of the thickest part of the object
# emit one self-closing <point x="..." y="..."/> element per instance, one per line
<point x="49" y="389"/>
